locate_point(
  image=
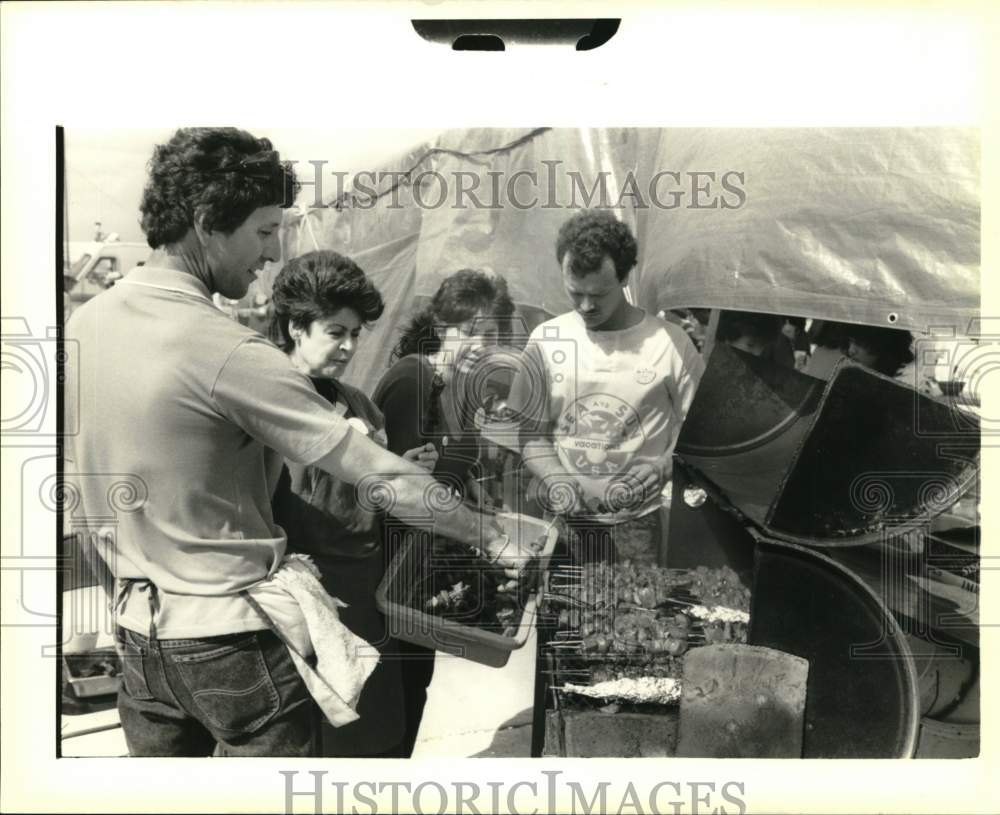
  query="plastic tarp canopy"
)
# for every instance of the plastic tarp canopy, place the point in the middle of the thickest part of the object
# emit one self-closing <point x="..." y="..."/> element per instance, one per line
<point x="871" y="225"/>
<point x="521" y="183"/>
<point x="865" y="225"/>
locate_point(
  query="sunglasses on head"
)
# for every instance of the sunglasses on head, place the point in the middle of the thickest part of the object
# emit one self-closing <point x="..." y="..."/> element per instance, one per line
<point x="264" y="166"/>
<point x="260" y="165"/>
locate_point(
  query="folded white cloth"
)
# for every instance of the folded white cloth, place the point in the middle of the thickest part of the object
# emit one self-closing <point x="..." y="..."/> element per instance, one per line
<point x="306" y="617"/>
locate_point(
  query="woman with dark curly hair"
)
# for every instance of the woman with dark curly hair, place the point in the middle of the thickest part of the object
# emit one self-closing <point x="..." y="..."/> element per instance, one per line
<point x="470" y="310"/>
<point x="885" y="350"/>
<point x="322" y="301"/>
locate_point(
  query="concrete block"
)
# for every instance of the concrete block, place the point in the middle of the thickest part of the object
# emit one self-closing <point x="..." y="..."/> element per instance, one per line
<point x="627" y="735"/>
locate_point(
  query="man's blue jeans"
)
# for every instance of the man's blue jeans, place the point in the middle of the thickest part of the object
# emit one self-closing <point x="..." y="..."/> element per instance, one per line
<point x="234" y="695"/>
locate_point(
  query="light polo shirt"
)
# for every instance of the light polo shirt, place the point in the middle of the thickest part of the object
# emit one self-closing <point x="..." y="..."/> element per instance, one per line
<point x="183" y="416"/>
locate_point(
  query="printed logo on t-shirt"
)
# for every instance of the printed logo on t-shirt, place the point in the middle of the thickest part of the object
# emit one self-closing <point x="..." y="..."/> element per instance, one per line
<point x="598" y="434"/>
<point x="645" y="375"/>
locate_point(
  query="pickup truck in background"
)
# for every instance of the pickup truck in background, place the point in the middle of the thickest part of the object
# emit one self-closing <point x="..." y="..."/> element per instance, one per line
<point x="93" y="266"/>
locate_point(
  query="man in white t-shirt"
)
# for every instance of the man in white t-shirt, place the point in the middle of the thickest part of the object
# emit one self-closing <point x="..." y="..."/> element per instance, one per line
<point x="602" y="392"/>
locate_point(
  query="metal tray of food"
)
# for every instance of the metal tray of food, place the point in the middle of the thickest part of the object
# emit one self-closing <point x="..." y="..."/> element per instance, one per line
<point x="92" y="673"/>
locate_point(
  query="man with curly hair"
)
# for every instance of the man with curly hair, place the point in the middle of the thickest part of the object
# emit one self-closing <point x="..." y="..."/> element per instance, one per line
<point x="603" y="392"/>
<point x="194" y="412"/>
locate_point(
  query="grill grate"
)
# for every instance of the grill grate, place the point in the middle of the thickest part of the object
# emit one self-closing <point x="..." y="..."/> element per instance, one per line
<point x="594" y="635"/>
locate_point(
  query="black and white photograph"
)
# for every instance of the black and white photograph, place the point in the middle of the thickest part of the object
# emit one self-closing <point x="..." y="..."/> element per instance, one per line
<point x="361" y="450"/>
<point x="554" y="444"/>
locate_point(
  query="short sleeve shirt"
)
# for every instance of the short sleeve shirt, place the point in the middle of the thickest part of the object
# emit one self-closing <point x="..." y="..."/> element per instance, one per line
<point x="183" y="416"/>
<point x="321" y="513"/>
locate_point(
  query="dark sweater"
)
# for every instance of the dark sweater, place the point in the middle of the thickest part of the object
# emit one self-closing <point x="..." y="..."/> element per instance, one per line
<point x="409" y="397"/>
<point x="322" y="517"/>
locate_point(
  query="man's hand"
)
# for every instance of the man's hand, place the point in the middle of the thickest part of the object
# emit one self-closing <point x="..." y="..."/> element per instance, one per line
<point x="631" y="489"/>
<point x="479" y="496"/>
<point x="425" y="456"/>
<point x="559" y="494"/>
<point x="504" y="553"/>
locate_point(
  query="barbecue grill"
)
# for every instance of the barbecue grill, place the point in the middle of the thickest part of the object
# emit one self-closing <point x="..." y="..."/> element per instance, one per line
<point x="824" y="498"/>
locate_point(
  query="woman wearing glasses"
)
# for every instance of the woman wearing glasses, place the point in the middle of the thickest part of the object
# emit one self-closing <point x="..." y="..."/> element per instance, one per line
<point x="417" y="396"/>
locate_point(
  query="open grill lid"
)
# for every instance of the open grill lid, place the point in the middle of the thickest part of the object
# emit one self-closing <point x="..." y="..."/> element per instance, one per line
<point x="825" y="463"/>
<point x="862" y="696"/>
